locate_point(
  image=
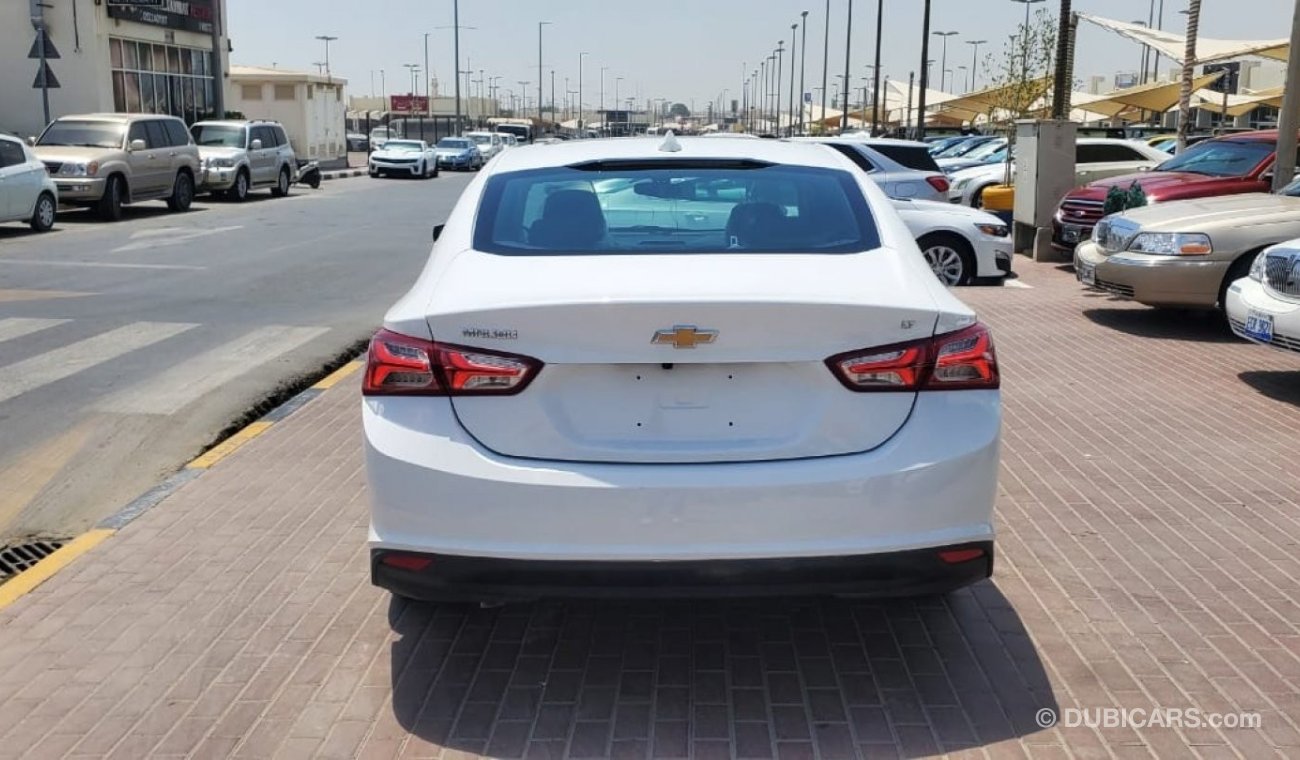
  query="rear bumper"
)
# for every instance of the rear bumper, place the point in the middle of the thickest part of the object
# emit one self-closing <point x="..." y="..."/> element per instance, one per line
<point x="435" y="490"/>
<point x="477" y="579"/>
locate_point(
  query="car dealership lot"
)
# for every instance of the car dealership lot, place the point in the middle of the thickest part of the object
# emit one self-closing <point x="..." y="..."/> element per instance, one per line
<point x="1148" y="522"/>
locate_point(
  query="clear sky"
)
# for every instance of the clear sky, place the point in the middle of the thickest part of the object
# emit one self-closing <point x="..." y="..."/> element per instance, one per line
<point x="683" y="50"/>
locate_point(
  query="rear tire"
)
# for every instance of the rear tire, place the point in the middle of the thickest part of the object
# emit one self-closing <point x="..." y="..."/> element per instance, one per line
<point x="43" y="214"/>
<point x="182" y="192"/>
<point x="950" y="258"/>
<point x="109" y="206"/>
<point x="281" y="188"/>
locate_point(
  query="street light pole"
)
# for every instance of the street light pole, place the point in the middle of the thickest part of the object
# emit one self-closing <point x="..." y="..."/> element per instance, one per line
<point x="803" y="64"/>
<point x="428" y="96"/>
<point x="848" y="38"/>
<point x="974" y="61"/>
<point x="581" y="57"/>
<point x="776" y="106"/>
<point x="925" y="71"/>
<point x="327" y="40"/>
<point x="875" y="95"/>
<point x="943" y="59"/>
<point x="1024" y="66"/>
<point x="604" y="116"/>
<point x="616" y="81"/>
<point x="455" y="21"/>
<point x="540" y="74"/>
<point x="794" y="30"/>
<point x="826" y="50"/>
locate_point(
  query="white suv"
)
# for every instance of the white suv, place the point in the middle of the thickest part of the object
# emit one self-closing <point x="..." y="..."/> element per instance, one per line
<point x="489" y="143"/>
<point x="239" y="156"/>
<point x="27" y="192"/>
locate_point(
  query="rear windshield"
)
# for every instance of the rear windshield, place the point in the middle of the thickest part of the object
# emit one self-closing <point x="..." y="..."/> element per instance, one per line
<point x="674" y="209"/>
<point x="911" y="156"/>
<point x="1220" y="158"/>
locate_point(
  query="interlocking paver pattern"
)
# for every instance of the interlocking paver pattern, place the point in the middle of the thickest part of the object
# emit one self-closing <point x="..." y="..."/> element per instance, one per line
<point x="1149" y="555"/>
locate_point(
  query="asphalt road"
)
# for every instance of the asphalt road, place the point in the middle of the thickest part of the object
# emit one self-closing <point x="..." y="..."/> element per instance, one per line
<point x="126" y="348"/>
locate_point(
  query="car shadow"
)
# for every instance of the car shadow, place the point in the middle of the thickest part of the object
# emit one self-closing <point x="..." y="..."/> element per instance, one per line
<point x="1201" y="326"/>
<point x="910" y="677"/>
<point x="1278" y="385"/>
<point x="85" y="216"/>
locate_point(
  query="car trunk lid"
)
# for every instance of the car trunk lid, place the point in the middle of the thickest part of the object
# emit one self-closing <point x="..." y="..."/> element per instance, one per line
<point x="675" y="358"/>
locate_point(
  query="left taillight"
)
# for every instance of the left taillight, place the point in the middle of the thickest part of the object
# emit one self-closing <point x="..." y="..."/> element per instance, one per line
<point x="938" y="182"/>
<point x="959" y="360"/>
<point x="400" y="365"/>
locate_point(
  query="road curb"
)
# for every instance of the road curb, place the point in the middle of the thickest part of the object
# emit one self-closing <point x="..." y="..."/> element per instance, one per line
<point x="343" y="174"/>
<point x="19" y="586"/>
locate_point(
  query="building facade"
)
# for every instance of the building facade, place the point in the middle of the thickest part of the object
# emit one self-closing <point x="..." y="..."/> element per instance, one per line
<point x="108" y="57"/>
<point x="310" y="106"/>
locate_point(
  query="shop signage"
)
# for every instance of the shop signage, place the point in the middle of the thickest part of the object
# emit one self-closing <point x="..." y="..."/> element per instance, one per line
<point x="186" y="15"/>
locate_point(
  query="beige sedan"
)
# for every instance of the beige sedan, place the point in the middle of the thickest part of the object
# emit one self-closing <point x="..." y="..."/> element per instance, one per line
<point x="1185" y="253"/>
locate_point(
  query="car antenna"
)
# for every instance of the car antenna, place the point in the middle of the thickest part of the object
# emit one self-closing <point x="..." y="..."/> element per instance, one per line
<point x="670" y="143"/>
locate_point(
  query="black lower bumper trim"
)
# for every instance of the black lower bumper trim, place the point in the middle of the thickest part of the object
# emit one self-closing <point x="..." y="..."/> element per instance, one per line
<point x="450" y="578"/>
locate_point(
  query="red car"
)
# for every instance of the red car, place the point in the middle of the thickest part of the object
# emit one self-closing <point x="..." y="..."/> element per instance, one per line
<point x="1239" y="163"/>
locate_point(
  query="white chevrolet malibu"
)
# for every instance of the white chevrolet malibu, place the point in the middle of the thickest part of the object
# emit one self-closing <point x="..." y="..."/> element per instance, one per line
<point x="674" y="367"/>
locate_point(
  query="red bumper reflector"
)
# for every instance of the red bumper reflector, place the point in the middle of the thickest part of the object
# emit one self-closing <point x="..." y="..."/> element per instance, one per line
<point x="957" y="556"/>
<point x="406" y="561"/>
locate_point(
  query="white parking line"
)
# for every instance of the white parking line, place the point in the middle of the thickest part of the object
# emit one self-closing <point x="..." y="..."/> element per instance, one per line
<point x="1016" y="284"/>
<point x="174" y="389"/>
<point x="27" y="375"/>
<point x="17" y="327"/>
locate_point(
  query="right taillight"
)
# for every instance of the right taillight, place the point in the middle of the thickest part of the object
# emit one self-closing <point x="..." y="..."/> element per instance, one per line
<point x="400" y="365"/>
<point x="959" y="360"/>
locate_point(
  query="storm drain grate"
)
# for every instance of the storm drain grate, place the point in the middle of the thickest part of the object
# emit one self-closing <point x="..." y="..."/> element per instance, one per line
<point x="18" y="557"/>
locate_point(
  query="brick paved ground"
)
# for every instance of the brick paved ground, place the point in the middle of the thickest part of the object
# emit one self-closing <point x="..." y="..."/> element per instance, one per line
<point x="1150" y="526"/>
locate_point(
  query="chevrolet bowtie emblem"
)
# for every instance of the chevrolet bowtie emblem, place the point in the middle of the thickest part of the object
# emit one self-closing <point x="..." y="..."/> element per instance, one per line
<point x="684" y="336"/>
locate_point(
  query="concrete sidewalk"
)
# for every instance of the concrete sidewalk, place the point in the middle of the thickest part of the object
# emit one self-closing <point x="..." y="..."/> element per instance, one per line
<point x="1149" y="517"/>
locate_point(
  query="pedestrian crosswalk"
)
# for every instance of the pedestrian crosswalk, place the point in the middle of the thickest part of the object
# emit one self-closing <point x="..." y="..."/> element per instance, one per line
<point x="192" y="368"/>
<point x="171" y="390"/>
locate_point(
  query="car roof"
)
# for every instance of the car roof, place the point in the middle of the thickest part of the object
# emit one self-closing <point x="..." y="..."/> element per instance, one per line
<point x="624" y="148"/>
<point x="113" y="117"/>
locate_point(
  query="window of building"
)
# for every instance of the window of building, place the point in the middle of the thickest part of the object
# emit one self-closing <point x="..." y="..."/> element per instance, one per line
<point x="251" y="91"/>
<point x="284" y="91"/>
<point x="163" y="79"/>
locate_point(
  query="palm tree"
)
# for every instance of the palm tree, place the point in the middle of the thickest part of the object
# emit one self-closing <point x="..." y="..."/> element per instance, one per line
<point x="1189" y="61"/>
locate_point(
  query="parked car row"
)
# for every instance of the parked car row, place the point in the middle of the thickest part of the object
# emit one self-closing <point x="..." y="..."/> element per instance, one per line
<point x="1210" y="237"/>
<point x="106" y="161"/>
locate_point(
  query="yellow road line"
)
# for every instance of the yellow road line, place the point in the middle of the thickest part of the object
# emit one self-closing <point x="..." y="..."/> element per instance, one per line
<point x="230" y="445"/>
<point x="46" y="568"/>
<point x="337" y="375"/>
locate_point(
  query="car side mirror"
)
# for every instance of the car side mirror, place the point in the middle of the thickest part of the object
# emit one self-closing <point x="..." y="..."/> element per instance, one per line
<point x="31" y="140"/>
<point x="437" y="231"/>
<point x="138" y="145"/>
<point x="257" y="145"/>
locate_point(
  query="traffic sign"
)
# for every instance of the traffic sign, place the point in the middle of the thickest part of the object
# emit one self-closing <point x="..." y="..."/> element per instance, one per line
<point x="50" y="51"/>
<point x="45" y="78"/>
